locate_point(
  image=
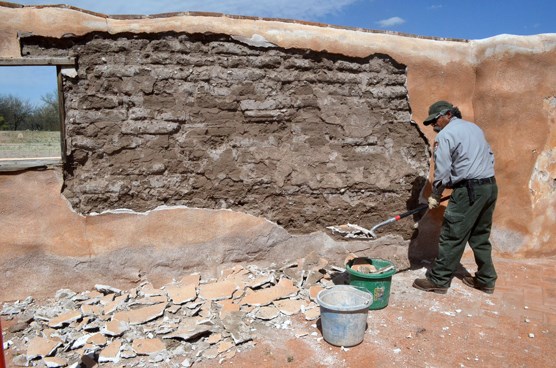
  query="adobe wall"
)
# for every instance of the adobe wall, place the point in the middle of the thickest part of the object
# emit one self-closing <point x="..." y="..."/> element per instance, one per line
<point x="235" y="188"/>
<point x="301" y="138"/>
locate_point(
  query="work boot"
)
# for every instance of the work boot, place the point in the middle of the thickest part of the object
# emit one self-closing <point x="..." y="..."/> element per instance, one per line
<point x="427" y="285"/>
<point x="472" y="282"/>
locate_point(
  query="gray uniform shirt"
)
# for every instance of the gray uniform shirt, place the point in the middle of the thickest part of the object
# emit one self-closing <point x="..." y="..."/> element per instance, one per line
<point x="461" y="152"/>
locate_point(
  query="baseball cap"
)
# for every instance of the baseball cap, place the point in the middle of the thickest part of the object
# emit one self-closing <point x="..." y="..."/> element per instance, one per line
<point x="437" y="109"/>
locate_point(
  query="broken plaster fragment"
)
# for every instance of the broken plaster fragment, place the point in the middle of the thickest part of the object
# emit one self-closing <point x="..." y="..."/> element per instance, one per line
<point x="141" y="315"/>
<point x="70" y="72"/>
<point x="80" y="341"/>
<point x="312" y="314"/>
<point x="224" y="346"/>
<point x="148" y="346"/>
<point x="188" y="334"/>
<point x="227" y="306"/>
<point x="181" y="294"/>
<point x="55" y="362"/>
<point x="41" y="347"/>
<point x="173" y="309"/>
<point x="97" y="339"/>
<point x="267" y="313"/>
<point x="210" y="353"/>
<point x="148" y="290"/>
<point x="64" y="319"/>
<point x="214" y="338"/>
<point x="114" y="328"/>
<point x="218" y="291"/>
<point x="233" y="323"/>
<point x="314" y="290"/>
<point x="149" y="300"/>
<point x="105" y="289"/>
<point x="290" y="306"/>
<point x="111" y="353"/>
<point x="283" y="289"/>
<point x="255" y="40"/>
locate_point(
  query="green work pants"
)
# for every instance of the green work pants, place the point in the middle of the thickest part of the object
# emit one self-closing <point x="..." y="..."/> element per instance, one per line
<point x="466" y="222"/>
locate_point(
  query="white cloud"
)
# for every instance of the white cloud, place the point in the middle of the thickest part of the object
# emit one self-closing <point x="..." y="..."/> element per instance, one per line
<point x="391" y="22"/>
<point x="435" y="7"/>
<point x="293" y="9"/>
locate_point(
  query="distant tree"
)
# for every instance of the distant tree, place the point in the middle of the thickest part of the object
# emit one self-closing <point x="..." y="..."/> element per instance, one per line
<point x="46" y="116"/>
<point x="15" y="111"/>
<point x="3" y="125"/>
<point x="20" y="114"/>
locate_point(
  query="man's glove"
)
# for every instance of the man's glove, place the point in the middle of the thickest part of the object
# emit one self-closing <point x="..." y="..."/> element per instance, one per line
<point x="434" y="201"/>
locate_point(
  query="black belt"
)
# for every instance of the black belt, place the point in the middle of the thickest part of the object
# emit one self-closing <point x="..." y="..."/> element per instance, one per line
<point x="474" y="182"/>
<point x="470" y="183"/>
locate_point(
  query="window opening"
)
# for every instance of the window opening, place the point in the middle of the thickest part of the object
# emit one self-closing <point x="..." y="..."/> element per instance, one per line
<point x="30" y="124"/>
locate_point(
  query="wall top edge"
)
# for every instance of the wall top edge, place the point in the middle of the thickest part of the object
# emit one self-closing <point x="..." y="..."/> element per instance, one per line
<point x="59" y="21"/>
<point x="222" y="15"/>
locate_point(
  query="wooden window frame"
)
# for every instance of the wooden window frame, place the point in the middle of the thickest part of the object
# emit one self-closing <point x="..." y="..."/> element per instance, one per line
<point x="59" y="63"/>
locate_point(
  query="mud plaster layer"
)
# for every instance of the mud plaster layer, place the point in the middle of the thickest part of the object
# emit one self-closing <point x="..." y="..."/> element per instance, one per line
<point x="304" y="139"/>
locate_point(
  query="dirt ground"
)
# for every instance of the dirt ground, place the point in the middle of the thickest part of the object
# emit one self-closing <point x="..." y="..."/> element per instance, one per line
<point x="514" y="327"/>
<point x="25" y="144"/>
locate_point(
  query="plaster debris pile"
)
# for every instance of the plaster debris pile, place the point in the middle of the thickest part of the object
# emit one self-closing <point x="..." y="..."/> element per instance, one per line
<point x="181" y="323"/>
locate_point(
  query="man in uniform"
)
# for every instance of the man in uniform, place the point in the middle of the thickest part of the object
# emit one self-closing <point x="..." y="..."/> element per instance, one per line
<point x="464" y="162"/>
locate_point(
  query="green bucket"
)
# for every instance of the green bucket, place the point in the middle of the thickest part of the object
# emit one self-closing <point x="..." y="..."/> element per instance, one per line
<point x="377" y="284"/>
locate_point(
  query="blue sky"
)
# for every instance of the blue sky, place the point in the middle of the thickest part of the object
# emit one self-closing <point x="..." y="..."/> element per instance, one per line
<point x="467" y="19"/>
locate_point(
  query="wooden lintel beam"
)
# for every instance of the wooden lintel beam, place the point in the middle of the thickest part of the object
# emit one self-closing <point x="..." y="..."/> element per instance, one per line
<point x="37" y="61"/>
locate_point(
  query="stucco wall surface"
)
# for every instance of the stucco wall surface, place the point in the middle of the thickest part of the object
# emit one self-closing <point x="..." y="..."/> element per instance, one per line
<point x="507" y="84"/>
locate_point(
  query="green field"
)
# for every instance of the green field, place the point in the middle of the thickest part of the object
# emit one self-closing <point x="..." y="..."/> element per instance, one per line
<point x="29" y="144"/>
